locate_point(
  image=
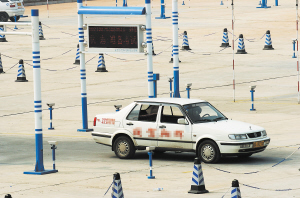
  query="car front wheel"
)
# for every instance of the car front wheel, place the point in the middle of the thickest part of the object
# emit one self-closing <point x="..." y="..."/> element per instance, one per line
<point x="209" y="152"/>
<point x="124" y="148"/>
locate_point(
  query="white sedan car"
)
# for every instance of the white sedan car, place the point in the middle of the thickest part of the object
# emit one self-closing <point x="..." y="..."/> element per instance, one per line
<point x="178" y="124"/>
<point x="11" y="9"/>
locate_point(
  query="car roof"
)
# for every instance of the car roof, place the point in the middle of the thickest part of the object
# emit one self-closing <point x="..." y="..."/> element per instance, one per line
<point x="181" y="101"/>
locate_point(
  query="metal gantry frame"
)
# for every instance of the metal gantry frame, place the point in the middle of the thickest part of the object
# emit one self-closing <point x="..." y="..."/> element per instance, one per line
<point x="39" y="166"/>
<point x="111" y="11"/>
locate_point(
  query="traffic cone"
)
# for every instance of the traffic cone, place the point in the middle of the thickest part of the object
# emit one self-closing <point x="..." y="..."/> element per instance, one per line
<point x="268" y="42"/>
<point x="185" y="44"/>
<point x="8" y="196"/>
<point x="77" y="59"/>
<point x="2" y="37"/>
<point x="171" y="61"/>
<point x="117" y="191"/>
<point x="41" y="35"/>
<point x="1" y="68"/>
<point x="153" y="53"/>
<point x="235" y="189"/>
<point x="222" y="3"/>
<point x="225" y="40"/>
<point x="101" y="64"/>
<point x="21" y="72"/>
<point x="198" y="186"/>
<point x="241" y="46"/>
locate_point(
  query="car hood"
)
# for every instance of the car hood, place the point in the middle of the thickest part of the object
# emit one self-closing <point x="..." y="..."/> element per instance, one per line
<point x="229" y="126"/>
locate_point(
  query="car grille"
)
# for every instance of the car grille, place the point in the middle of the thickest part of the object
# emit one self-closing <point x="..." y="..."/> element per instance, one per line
<point x="254" y="135"/>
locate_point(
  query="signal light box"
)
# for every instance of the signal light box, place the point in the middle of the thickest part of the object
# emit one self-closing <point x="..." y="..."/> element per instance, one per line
<point x="115" y="38"/>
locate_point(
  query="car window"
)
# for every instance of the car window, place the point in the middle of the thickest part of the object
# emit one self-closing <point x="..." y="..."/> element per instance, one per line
<point x="170" y="114"/>
<point x="143" y="112"/>
<point x="4" y="1"/>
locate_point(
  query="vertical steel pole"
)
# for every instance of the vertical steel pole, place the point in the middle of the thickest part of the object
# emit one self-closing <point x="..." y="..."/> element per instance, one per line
<point x="175" y="48"/>
<point x="252" y="99"/>
<point x="39" y="166"/>
<point x="149" y="49"/>
<point x="276" y="2"/>
<point x="82" y="72"/>
<point x="50" y="128"/>
<point x="150" y="164"/>
<point x="297" y="50"/>
<point x="188" y="92"/>
<point x="233" y="52"/>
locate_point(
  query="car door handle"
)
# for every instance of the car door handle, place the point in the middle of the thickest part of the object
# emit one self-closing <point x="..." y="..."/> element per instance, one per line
<point x="129" y="123"/>
<point x="162" y="126"/>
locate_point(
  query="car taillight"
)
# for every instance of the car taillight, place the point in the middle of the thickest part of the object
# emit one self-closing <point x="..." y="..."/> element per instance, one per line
<point x="95" y="119"/>
<point x="12" y="5"/>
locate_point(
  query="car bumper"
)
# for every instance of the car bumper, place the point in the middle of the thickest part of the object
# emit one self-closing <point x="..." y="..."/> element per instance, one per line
<point x="18" y="12"/>
<point x="243" y="147"/>
<point x="102" y="138"/>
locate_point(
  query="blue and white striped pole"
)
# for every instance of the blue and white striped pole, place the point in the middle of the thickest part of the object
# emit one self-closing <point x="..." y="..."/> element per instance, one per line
<point x="150" y="164"/>
<point x="252" y="90"/>
<point x="39" y="166"/>
<point x="41" y="34"/>
<point x="294" y="48"/>
<point x="2" y="37"/>
<point x="225" y="40"/>
<point x="21" y="72"/>
<point x="162" y="10"/>
<point x="149" y="49"/>
<point x="82" y="72"/>
<point x="268" y="42"/>
<point x="124" y="3"/>
<point x="77" y="58"/>
<point x="1" y="67"/>
<point x="50" y="109"/>
<point x="198" y="186"/>
<point x="175" y="48"/>
<point x="171" y="81"/>
<point x="101" y="64"/>
<point x="117" y="190"/>
<point x="235" y="189"/>
<point x="241" y="46"/>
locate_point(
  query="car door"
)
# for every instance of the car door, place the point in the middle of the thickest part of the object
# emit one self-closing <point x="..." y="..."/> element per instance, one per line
<point x="142" y="123"/>
<point x="172" y="134"/>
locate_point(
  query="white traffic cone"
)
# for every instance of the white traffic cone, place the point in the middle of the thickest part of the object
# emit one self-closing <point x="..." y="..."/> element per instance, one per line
<point x="77" y="58"/>
<point x="101" y="64"/>
<point x="197" y="186"/>
<point x="117" y="191"/>
<point x="235" y="189"/>
<point x="241" y="46"/>
<point x="185" y="44"/>
<point x="268" y="42"/>
<point x="41" y="34"/>
<point x="21" y="72"/>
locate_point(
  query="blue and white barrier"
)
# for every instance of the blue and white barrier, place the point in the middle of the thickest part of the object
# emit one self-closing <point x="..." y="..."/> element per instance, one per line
<point x="185" y="43"/>
<point x="117" y="191"/>
<point x="101" y="64"/>
<point x="198" y="186"/>
<point x="268" y="42"/>
<point x="225" y="40"/>
<point x="41" y="34"/>
<point x="2" y="37"/>
<point x="235" y="189"/>
<point x="77" y="58"/>
<point x="21" y="72"/>
<point x="241" y="46"/>
<point x="1" y="67"/>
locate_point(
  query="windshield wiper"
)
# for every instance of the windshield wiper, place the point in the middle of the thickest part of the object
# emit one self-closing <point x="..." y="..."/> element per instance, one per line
<point x="203" y="120"/>
<point x="219" y="118"/>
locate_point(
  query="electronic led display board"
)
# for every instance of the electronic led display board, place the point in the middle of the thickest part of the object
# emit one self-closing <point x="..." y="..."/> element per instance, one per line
<point x="115" y="38"/>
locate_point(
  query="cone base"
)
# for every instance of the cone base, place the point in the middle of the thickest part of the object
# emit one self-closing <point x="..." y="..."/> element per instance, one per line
<point x="40" y="172"/>
<point x="186" y="48"/>
<point x="77" y="62"/>
<point x="153" y="53"/>
<point x="41" y="38"/>
<point x="3" y="40"/>
<point x="241" y="52"/>
<point x="162" y="17"/>
<point x="1" y="71"/>
<point x="21" y="79"/>
<point x="171" y="61"/>
<point x="225" y="45"/>
<point x="268" y="47"/>
<point x="264" y="7"/>
<point x="84" y="130"/>
<point x="101" y="70"/>
<point x="198" y="189"/>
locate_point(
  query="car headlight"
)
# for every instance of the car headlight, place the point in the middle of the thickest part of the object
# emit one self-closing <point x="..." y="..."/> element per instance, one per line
<point x="237" y="136"/>
<point x="264" y="133"/>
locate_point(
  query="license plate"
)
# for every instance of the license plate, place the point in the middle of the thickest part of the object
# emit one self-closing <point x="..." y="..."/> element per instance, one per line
<point x="19" y="4"/>
<point x="258" y="144"/>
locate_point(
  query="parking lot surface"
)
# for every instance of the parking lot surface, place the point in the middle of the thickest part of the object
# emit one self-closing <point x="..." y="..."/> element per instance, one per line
<point x="85" y="169"/>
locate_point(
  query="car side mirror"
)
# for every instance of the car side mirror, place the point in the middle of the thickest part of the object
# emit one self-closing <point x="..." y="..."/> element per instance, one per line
<point x="182" y="121"/>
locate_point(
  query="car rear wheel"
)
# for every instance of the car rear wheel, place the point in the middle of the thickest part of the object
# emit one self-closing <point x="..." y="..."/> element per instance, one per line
<point x="3" y="17"/>
<point x="209" y="152"/>
<point x="13" y="18"/>
<point x="124" y="148"/>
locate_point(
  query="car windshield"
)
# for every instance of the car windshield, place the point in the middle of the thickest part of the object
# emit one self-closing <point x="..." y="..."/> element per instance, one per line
<point x="203" y="112"/>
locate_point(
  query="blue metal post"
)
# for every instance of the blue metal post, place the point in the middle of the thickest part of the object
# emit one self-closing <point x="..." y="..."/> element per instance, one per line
<point x="124" y="3"/>
<point x="15" y="21"/>
<point x="82" y="72"/>
<point x="116" y="3"/>
<point x="162" y="10"/>
<point x="183" y="2"/>
<point x="264" y="4"/>
<point x="252" y="99"/>
<point x="150" y="164"/>
<point x="53" y="147"/>
<point x="276" y="2"/>
<point x="175" y="48"/>
<point x="155" y="79"/>
<point x="50" y="128"/>
<point x="170" y="81"/>
<point x="188" y="92"/>
<point x="294" y="49"/>
<point x="39" y="166"/>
